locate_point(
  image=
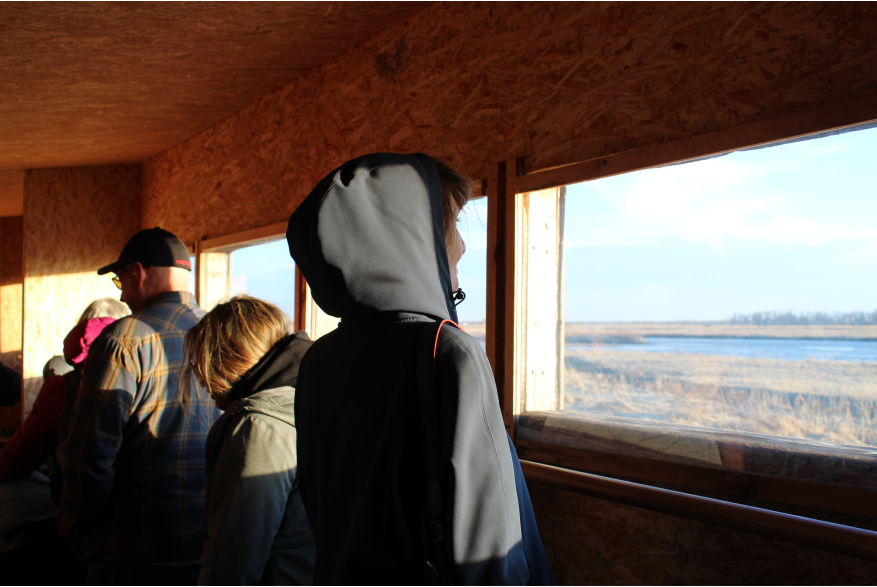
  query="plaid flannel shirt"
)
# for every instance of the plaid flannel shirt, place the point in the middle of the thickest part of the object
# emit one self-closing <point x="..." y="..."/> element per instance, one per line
<point x="134" y="461"/>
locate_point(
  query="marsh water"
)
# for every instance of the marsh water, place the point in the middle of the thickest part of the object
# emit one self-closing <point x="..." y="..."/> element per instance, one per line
<point x="793" y="349"/>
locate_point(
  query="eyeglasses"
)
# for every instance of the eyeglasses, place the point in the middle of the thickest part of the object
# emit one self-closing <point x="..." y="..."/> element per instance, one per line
<point x="117" y="278"/>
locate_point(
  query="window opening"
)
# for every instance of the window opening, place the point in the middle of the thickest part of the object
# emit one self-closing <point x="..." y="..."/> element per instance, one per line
<point x="317" y="322"/>
<point x="193" y="259"/>
<point x="728" y="295"/>
<point x="266" y="271"/>
<point x="472" y="269"/>
<point x="263" y="269"/>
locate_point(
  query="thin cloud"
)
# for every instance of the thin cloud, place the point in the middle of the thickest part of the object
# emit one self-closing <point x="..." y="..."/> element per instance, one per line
<point x="708" y="203"/>
<point x="609" y="242"/>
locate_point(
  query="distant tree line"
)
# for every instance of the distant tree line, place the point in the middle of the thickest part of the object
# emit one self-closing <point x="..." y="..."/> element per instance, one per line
<point x="805" y="318"/>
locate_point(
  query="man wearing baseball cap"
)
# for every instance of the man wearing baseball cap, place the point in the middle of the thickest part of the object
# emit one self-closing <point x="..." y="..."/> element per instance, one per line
<point x="133" y="462"/>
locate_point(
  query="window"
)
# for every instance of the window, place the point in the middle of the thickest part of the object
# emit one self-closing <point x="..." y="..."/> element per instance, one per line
<point x="193" y="274"/>
<point x="264" y="271"/>
<point x="719" y="313"/>
<point x="316" y="321"/>
<point x="257" y="262"/>
<point x="472" y="268"/>
<point x="729" y="293"/>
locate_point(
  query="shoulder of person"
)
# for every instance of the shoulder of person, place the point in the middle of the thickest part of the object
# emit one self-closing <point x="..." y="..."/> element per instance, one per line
<point x="119" y="331"/>
<point x="277" y="404"/>
<point x="167" y="315"/>
<point x="257" y="420"/>
<point x="53" y="390"/>
<point x="455" y="341"/>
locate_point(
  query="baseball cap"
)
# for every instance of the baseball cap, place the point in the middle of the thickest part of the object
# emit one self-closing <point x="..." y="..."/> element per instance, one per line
<point x="152" y="247"/>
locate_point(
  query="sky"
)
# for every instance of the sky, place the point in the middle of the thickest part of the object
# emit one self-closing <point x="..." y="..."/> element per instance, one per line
<point x="265" y="271"/>
<point x="472" y="268"/>
<point x="791" y="227"/>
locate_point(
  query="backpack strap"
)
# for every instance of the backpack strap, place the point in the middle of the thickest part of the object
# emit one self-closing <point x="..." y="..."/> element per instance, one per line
<point x="432" y="525"/>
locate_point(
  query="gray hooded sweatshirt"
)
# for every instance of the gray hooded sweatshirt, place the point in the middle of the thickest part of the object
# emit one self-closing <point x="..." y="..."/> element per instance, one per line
<point x="369" y="239"/>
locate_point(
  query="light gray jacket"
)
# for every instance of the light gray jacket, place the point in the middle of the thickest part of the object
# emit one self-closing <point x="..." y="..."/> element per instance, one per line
<point x="256" y="531"/>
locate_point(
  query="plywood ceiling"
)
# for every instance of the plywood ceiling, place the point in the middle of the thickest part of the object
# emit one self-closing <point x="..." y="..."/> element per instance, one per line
<point x="86" y="83"/>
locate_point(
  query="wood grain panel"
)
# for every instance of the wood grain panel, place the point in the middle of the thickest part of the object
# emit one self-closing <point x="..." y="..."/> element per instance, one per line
<point x="727" y="482"/>
<point x="76" y="220"/>
<point x="845" y="114"/>
<point x="552" y="83"/>
<point x="827" y="464"/>
<point x="246" y="238"/>
<point x="591" y="541"/>
<point x="88" y="83"/>
<point x="848" y="540"/>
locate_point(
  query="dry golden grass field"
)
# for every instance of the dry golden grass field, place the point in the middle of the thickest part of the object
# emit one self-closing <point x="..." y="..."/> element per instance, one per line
<point x="636" y="330"/>
<point x="830" y="401"/>
<point x="824" y="400"/>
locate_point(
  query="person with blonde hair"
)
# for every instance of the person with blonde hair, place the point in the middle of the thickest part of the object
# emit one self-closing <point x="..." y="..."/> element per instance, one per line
<point x="256" y="530"/>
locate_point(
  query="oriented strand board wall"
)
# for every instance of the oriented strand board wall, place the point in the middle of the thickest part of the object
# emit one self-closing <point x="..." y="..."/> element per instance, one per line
<point x="76" y="220"/>
<point x="595" y="542"/>
<point x="478" y="83"/>
<point x="11" y="287"/>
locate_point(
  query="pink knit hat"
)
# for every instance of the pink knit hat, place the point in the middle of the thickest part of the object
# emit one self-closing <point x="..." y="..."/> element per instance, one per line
<point x="80" y="338"/>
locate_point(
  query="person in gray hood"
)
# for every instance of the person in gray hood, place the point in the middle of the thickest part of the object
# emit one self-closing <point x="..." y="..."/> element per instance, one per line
<point x="376" y="241"/>
<point x="256" y="531"/>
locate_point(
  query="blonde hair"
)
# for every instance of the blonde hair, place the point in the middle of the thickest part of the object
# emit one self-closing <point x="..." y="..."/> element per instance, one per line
<point x="105" y="308"/>
<point x="228" y="342"/>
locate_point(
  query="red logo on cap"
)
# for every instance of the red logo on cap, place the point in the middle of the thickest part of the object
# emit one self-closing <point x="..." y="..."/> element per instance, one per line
<point x="184" y="263"/>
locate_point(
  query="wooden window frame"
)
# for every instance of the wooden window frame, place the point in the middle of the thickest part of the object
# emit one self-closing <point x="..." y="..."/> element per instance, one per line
<point x="231" y="242"/>
<point x="227" y="244"/>
<point x="194" y="251"/>
<point x="509" y="178"/>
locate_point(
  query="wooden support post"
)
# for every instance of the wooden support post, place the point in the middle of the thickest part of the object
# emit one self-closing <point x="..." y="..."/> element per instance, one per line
<point x="506" y="282"/>
<point x="198" y="271"/>
<point x="213" y="269"/>
<point x="498" y="291"/>
<point x="525" y="267"/>
<point x="301" y="301"/>
<point x="539" y="299"/>
<point x="493" y="320"/>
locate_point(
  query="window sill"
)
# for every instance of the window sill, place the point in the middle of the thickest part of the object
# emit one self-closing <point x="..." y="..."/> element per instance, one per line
<point x="821" y="476"/>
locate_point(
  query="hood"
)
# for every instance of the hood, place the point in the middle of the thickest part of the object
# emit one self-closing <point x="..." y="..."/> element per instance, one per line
<point x="369" y="238"/>
<point x="79" y="339"/>
<point x="57" y="365"/>
<point x="278" y="403"/>
<point x="277" y="368"/>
